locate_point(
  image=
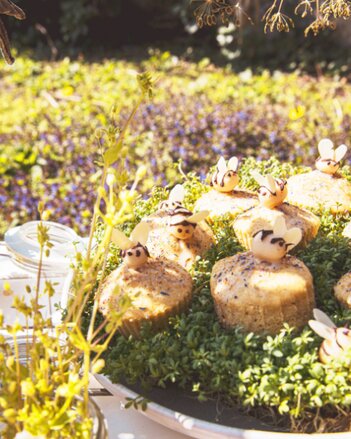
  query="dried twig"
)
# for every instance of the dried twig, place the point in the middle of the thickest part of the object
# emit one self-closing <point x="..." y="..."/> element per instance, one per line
<point x="12" y="10"/>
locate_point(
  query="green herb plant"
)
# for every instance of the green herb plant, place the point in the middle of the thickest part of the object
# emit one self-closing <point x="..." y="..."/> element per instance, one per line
<point x="44" y="369"/>
<point x="277" y="378"/>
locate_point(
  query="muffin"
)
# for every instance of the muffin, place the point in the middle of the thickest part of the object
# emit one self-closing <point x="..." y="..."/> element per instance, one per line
<point x="322" y="188"/>
<point x="220" y="203"/>
<point x="272" y="193"/>
<point x="224" y="198"/>
<point x="158" y="288"/>
<point x="342" y="290"/>
<point x="183" y="238"/>
<point x="262" y="289"/>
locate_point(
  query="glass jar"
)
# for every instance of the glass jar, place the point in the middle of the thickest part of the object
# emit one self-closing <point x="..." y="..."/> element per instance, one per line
<point x="100" y="428"/>
<point x="19" y="263"/>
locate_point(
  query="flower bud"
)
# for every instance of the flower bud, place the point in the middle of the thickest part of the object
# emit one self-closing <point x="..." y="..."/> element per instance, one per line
<point x="98" y="366"/>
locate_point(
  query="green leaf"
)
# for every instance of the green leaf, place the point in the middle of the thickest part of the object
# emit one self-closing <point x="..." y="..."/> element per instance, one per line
<point x="112" y="153"/>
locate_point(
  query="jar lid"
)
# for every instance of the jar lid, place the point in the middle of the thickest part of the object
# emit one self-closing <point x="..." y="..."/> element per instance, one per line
<point x="22" y="244"/>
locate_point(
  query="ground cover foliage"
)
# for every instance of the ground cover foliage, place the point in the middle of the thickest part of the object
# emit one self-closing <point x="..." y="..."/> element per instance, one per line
<point x="48" y="146"/>
<point x="278" y="378"/>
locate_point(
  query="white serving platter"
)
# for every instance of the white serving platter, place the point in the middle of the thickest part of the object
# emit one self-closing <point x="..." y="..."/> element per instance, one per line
<point x="173" y="409"/>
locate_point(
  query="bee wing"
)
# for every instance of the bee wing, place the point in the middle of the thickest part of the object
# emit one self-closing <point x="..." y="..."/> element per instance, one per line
<point x="177" y="193"/>
<point x="233" y="164"/>
<point x="340" y="152"/>
<point x="140" y="233"/>
<point x="259" y="178"/>
<point x="199" y="216"/>
<point x="120" y="239"/>
<point x="221" y="165"/>
<point x="279" y="227"/>
<point x="322" y="330"/>
<point x="325" y="148"/>
<point x="293" y="236"/>
<point x="270" y="183"/>
<point x="322" y="317"/>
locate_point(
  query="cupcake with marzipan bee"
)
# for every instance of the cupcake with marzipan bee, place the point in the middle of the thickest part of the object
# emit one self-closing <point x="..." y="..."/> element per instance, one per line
<point x="159" y="288"/>
<point x="226" y="197"/>
<point x="323" y="188"/>
<point x="262" y="289"/>
<point x="183" y="238"/>
<point x="272" y="193"/>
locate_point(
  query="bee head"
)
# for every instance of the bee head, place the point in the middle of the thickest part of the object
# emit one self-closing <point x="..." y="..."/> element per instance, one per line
<point x="183" y="230"/>
<point x="183" y="222"/>
<point x="136" y="256"/>
<point x="328" y="166"/>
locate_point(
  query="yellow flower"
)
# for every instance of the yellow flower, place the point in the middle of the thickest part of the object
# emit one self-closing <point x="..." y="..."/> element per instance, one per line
<point x="98" y="366"/>
<point x="28" y="388"/>
<point x="297" y="112"/>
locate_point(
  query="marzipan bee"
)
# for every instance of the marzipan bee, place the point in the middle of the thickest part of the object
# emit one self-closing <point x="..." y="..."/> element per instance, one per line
<point x="133" y="250"/>
<point x="273" y="245"/>
<point x="272" y="191"/>
<point x="183" y="222"/>
<point x="226" y="177"/>
<point x="175" y="198"/>
<point x="336" y="340"/>
<point x="329" y="160"/>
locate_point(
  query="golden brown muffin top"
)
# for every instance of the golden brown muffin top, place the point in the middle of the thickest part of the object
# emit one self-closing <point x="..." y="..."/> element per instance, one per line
<point x="244" y="278"/>
<point x="153" y="287"/>
<point x="316" y="189"/>
<point x="219" y="203"/>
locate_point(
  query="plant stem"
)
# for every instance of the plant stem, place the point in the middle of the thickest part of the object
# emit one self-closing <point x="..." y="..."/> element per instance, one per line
<point x="106" y="342"/>
<point x="131" y="117"/>
<point x="107" y="241"/>
<point x="36" y="303"/>
<point x="86" y="369"/>
<point x="18" y="369"/>
<point x="95" y="214"/>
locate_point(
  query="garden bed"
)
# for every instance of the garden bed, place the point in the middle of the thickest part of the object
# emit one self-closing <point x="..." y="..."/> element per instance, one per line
<point x="48" y="147"/>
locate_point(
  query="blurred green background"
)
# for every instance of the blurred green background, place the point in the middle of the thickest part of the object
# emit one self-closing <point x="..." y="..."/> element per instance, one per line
<point x="124" y="28"/>
<point x="219" y="91"/>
